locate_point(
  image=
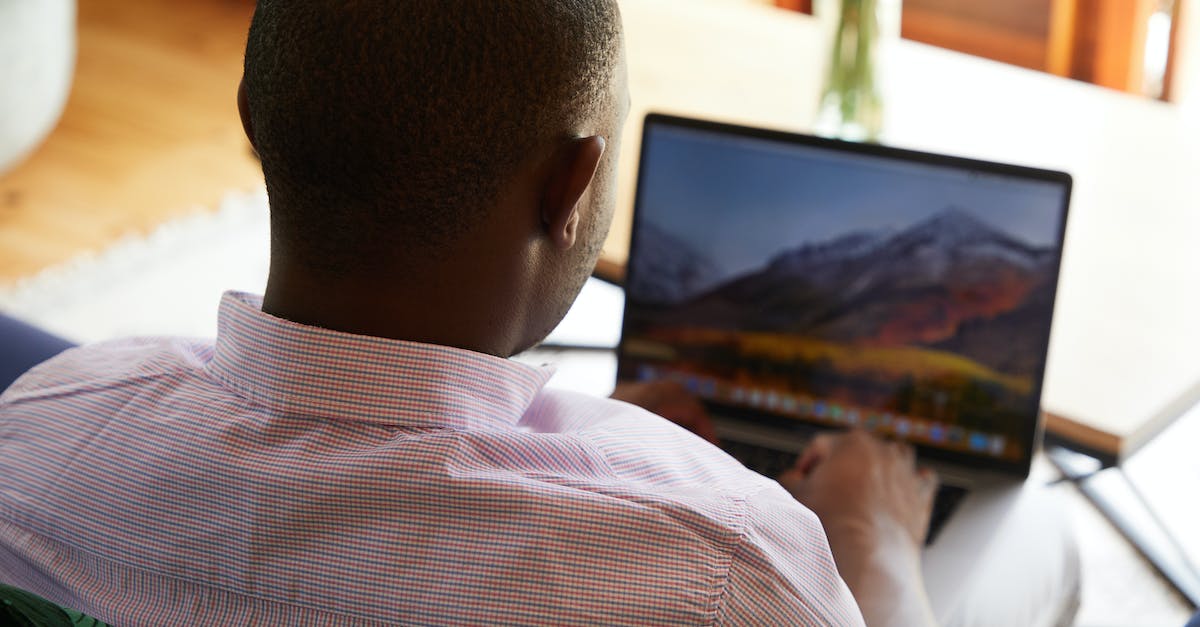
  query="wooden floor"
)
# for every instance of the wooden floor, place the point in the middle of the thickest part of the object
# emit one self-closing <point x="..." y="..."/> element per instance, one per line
<point x="150" y="132"/>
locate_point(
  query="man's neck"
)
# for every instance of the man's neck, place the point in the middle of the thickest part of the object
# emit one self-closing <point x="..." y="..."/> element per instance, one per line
<point x="448" y="311"/>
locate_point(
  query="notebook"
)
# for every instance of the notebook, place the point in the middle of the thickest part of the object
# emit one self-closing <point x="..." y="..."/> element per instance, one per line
<point x="798" y="284"/>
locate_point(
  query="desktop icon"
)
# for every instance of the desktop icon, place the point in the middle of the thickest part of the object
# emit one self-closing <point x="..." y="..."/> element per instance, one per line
<point x="756" y="398"/>
<point x="738" y="394"/>
<point x="773" y="401"/>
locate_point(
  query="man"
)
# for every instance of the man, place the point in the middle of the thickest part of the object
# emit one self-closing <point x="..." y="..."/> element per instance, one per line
<point x="357" y="448"/>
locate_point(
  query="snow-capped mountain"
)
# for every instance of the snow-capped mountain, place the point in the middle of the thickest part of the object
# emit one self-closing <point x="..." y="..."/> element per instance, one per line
<point x="923" y="285"/>
<point x="957" y="235"/>
<point x="668" y="270"/>
<point x="838" y="250"/>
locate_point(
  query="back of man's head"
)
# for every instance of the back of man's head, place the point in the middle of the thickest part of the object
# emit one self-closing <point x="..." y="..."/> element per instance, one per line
<point x="387" y="126"/>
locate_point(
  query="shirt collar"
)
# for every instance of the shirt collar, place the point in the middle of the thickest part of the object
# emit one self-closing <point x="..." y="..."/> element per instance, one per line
<point x="303" y="370"/>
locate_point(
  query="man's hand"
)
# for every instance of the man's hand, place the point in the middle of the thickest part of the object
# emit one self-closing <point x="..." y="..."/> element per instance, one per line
<point x="671" y="401"/>
<point x="874" y="503"/>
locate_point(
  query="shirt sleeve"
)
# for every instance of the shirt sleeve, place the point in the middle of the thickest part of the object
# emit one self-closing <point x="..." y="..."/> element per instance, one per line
<point x="782" y="572"/>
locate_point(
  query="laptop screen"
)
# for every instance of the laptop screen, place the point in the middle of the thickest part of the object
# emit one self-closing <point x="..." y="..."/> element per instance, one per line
<point x="801" y="281"/>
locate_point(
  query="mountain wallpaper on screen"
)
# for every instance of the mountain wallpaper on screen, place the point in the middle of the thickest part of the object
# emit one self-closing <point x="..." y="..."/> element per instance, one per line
<point x="949" y="283"/>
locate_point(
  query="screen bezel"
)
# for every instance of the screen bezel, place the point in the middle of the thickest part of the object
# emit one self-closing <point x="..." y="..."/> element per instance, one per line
<point x="1033" y="433"/>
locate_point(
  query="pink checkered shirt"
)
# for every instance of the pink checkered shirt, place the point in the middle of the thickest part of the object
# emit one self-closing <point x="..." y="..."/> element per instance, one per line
<point x="291" y="475"/>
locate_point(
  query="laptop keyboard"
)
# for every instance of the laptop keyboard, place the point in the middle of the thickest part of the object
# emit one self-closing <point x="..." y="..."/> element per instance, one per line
<point x="772" y="462"/>
<point x="767" y="462"/>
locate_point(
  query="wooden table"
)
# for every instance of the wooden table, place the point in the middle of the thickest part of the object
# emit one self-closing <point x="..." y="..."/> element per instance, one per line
<point x="1125" y="352"/>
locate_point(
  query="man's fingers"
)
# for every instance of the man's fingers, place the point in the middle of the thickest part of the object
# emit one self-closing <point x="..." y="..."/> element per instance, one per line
<point x="908" y="454"/>
<point x="670" y="400"/>
<point x="927" y="482"/>
<point x="688" y="413"/>
<point x="791" y="480"/>
<point x="817" y="451"/>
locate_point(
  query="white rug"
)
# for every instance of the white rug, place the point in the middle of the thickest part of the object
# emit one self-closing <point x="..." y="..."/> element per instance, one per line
<point x="170" y="283"/>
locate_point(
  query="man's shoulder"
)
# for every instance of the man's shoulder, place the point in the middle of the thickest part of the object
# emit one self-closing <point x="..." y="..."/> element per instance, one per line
<point x="644" y="451"/>
<point x="602" y="419"/>
<point x="773" y="549"/>
<point x="104" y="364"/>
<point x="557" y="403"/>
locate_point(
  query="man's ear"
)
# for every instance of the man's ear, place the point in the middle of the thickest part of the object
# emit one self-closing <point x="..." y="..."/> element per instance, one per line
<point x="571" y="173"/>
<point x="244" y="111"/>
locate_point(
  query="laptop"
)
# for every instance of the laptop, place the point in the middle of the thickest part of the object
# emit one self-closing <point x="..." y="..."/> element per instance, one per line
<point x="797" y="284"/>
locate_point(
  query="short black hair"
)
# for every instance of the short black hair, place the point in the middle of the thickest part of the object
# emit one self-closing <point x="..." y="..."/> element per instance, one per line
<point x="385" y="121"/>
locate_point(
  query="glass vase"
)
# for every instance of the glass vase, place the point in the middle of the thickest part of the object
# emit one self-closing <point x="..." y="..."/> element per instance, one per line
<point x="851" y="106"/>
